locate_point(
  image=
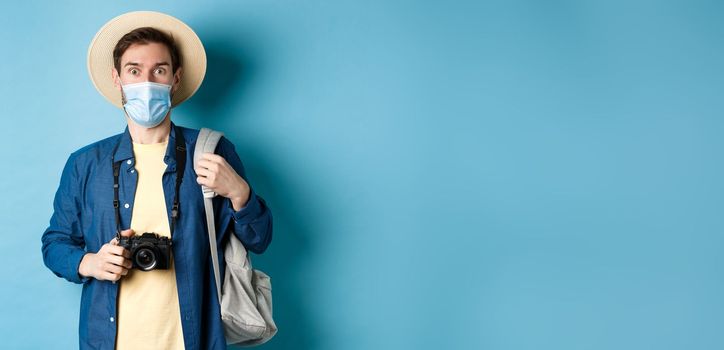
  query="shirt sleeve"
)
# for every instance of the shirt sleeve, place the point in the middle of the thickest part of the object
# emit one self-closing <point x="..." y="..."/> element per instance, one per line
<point x="62" y="242"/>
<point x="252" y="224"/>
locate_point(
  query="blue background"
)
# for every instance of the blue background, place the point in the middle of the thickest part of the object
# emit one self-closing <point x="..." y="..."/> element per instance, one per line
<point x="443" y="175"/>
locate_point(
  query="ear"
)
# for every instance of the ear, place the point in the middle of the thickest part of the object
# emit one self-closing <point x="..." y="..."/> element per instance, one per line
<point x="116" y="78"/>
<point x="117" y="84"/>
<point x="177" y="79"/>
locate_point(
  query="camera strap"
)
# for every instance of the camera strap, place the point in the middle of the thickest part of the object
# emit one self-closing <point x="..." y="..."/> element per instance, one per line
<point x="180" y="148"/>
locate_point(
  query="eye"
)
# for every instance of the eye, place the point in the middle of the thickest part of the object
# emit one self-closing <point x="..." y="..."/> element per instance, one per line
<point x="133" y="71"/>
<point x="160" y="71"/>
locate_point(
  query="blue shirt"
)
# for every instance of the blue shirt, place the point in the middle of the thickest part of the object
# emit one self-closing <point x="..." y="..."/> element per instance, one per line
<point x="84" y="219"/>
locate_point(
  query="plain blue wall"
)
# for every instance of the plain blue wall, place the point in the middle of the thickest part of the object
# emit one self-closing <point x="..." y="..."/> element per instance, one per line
<point x="443" y="175"/>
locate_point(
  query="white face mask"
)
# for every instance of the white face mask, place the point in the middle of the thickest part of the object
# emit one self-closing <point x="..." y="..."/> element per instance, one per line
<point x="147" y="103"/>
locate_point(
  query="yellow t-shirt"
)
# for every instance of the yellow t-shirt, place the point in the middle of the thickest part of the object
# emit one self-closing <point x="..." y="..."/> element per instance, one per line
<point x="148" y="308"/>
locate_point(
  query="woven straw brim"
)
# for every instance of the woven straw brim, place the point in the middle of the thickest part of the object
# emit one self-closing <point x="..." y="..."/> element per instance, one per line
<point x="100" y="53"/>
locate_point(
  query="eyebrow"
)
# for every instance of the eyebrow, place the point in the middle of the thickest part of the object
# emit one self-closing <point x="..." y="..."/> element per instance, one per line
<point x="135" y="64"/>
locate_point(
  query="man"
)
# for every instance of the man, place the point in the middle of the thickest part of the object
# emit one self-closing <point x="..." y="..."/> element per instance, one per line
<point x="126" y="185"/>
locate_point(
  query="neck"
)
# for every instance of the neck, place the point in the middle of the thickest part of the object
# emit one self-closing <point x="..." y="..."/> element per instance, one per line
<point x="157" y="134"/>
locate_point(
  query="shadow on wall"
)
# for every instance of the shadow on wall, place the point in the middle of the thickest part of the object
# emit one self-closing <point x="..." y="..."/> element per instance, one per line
<point x="230" y="74"/>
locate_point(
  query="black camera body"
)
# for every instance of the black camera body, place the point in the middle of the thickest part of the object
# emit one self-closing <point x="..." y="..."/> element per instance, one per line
<point x="149" y="251"/>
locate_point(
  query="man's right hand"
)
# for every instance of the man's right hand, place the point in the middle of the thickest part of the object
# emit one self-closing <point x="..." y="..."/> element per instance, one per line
<point x="110" y="263"/>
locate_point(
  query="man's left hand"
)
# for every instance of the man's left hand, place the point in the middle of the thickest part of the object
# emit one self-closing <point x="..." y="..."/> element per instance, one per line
<point x="215" y="173"/>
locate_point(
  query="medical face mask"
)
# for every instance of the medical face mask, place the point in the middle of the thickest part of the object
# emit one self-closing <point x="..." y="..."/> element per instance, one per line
<point x="147" y="103"/>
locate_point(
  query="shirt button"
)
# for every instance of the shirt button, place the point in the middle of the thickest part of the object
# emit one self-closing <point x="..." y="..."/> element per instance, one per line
<point x="132" y="170"/>
<point x="111" y="319"/>
<point x="128" y="161"/>
<point x="126" y="205"/>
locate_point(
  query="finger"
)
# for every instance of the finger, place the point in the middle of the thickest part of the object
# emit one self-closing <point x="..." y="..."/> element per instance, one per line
<point x="115" y="250"/>
<point x="204" y="181"/>
<point x="123" y="261"/>
<point x="112" y="268"/>
<point x="127" y="233"/>
<point x="117" y="260"/>
<point x="111" y="276"/>
<point x="208" y="164"/>
<point x="205" y="173"/>
<point x="107" y="276"/>
<point x="113" y="241"/>
<point x="212" y="157"/>
<point x="119" y="251"/>
<point x="107" y="247"/>
<point x="120" y="270"/>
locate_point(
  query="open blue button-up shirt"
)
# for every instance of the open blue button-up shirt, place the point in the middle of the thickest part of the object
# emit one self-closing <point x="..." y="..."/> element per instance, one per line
<point x="84" y="219"/>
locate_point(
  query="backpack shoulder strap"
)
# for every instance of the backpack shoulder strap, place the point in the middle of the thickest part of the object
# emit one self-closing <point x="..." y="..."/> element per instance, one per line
<point x="206" y="143"/>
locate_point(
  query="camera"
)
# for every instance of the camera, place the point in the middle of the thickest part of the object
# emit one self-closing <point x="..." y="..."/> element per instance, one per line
<point x="149" y="251"/>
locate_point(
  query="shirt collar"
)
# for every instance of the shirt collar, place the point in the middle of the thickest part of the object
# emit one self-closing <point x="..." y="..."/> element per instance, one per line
<point x="125" y="147"/>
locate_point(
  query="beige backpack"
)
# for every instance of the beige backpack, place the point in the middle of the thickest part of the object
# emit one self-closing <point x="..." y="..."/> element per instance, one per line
<point x="245" y="296"/>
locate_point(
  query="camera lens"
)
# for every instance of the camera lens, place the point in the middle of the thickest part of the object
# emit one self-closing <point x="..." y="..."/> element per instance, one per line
<point x="145" y="258"/>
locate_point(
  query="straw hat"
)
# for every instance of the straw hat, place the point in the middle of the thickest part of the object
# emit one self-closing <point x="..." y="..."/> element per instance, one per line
<point x="100" y="53"/>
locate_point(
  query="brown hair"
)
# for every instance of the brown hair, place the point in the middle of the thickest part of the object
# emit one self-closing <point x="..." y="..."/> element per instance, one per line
<point x="143" y="36"/>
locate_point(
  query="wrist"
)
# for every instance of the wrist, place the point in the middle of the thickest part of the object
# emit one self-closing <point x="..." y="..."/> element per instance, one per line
<point x="240" y="201"/>
<point x="83" y="266"/>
